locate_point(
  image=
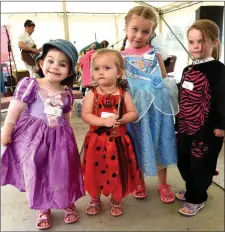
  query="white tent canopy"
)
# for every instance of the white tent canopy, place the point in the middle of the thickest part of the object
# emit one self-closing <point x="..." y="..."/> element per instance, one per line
<point x="85" y="22"/>
<point x="84" y="7"/>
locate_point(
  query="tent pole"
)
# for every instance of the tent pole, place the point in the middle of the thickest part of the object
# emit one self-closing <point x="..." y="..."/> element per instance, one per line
<point x="160" y="24"/>
<point x="181" y="7"/>
<point x="65" y="21"/>
<point x="160" y="15"/>
<point x="146" y="4"/>
<point x="116" y="25"/>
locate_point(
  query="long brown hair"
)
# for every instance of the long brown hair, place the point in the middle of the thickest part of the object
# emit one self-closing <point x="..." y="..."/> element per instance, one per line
<point x="143" y="11"/>
<point x="119" y="62"/>
<point x="209" y="30"/>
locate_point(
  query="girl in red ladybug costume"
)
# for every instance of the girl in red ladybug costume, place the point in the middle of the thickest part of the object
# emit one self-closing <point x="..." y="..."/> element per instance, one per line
<point x="109" y="163"/>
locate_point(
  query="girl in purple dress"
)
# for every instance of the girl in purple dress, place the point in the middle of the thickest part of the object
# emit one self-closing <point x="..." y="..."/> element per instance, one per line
<point x="40" y="155"/>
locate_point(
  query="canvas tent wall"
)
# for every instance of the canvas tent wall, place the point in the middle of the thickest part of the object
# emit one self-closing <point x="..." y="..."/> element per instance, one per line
<point x="85" y="22"/>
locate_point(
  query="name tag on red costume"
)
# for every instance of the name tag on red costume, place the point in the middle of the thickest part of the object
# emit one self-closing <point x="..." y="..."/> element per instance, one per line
<point x="106" y="114"/>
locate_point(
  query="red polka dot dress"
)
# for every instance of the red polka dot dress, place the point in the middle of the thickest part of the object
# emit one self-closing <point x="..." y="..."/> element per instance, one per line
<point x="109" y="163"/>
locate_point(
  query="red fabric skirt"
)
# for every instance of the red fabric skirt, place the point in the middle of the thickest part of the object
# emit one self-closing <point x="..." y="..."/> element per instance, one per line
<point x="109" y="164"/>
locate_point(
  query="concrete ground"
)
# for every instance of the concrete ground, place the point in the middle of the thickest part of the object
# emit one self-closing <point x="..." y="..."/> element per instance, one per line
<point x="219" y="180"/>
<point x="140" y="215"/>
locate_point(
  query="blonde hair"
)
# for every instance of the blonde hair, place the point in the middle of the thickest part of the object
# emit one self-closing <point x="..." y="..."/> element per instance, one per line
<point x="118" y="58"/>
<point x="119" y="62"/>
<point x="143" y="11"/>
<point x="208" y="29"/>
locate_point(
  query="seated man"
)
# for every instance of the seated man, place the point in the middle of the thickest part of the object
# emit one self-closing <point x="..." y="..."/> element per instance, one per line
<point x="28" y="47"/>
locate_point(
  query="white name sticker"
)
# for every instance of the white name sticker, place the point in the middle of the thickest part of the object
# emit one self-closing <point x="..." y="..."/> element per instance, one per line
<point x="148" y="56"/>
<point x="53" y="111"/>
<point x="106" y="114"/>
<point x="188" y="85"/>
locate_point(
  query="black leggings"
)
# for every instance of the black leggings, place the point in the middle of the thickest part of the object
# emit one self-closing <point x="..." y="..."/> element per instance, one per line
<point x="197" y="162"/>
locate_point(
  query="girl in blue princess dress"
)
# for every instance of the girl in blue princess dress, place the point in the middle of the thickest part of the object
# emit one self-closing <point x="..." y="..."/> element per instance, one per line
<point x="155" y="99"/>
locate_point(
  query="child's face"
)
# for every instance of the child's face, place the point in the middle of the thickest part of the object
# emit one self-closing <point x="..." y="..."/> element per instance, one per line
<point x="139" y="31"/>
<point x="55" y="66"/>
<point x="104" y="70"/>
<point x="199" y="48"/>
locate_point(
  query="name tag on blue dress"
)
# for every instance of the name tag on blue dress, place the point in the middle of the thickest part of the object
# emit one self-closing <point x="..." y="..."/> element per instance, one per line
<point x="149" y="56"/>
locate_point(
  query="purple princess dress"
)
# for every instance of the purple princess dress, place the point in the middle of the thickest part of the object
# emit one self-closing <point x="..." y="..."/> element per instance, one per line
<point x="43" y="159"/>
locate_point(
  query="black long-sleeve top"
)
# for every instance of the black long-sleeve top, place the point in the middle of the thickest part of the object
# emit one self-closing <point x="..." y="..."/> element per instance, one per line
<point x="202" y="102"/>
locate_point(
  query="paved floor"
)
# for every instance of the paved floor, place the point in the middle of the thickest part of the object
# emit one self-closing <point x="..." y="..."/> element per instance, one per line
<point x="140" y="215"/>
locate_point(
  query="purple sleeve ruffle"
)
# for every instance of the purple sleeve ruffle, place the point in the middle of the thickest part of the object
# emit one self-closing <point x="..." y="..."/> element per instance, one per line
<point x="26" y="90"/>
<point x="69" y="101"/>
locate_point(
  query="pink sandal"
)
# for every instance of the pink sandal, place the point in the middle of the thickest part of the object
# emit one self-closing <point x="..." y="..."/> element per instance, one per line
<point x="165" y="193"/>
<point x="114" y="206"/>
<point x="140" y="192"/>
<point x="93" y="204"/>
<point x="44" y="216"/>
<point x="71" y="210"/>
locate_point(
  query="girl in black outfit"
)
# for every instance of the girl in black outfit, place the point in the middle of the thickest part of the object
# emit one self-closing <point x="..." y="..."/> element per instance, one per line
<point x="201" y="120"/>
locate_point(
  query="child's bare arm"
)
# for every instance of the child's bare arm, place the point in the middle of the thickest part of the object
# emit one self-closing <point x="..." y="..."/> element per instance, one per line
<point x="87" y="111"/>
<point x="161" y="65"/>
<point x="131" y="114"/>
<point x="15" y="109"/>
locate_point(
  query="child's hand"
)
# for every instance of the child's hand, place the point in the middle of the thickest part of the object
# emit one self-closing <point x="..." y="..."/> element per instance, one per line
<point x="110" y="121"/>
<point x="117" y="124"/>
<point x="5" y="139"/>
<point x="219" y="133"/>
